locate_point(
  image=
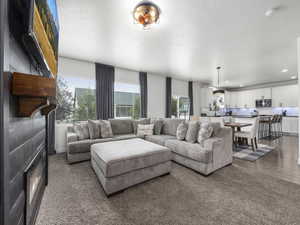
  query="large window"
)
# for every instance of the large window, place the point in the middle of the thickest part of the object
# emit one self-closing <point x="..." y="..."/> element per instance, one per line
<point x="76" y="99"/>
<point x="127" y="101"/>
<point x="180" y="107"/>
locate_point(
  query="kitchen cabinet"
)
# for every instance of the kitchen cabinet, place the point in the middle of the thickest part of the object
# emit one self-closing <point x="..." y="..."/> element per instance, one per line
<point x="242" y="99"/>
<point x="290" y="125"/>
<point x="282" y="96"/>
<point x="234" y="96"/>
<point x="285" y="96"/>
<point x="227" y="99"/>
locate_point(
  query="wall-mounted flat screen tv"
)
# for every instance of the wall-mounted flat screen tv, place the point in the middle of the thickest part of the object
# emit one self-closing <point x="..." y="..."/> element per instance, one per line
<point x="34" y="23"/>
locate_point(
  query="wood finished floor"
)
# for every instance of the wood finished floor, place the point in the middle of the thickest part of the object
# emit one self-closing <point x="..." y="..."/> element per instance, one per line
<point x="280" y="163"/>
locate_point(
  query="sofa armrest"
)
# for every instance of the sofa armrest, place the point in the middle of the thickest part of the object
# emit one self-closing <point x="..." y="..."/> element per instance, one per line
<point x="71" y="137"/>
<point x="212" y="143"/>
<point x="221" y="146"/>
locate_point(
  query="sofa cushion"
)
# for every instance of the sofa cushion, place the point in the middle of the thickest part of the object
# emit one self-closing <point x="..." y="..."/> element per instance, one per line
<point x="181" y="131"/>
<point x="159" y="139"/>
<point x="85" y="145"/>
<point x="170" y="126"/>
<point x="106" y="131"/>
<point x="190" y="150"/>
<point x="121" y="126"/>
<point x="145" y="129"/>
<point x="79" y="146"/>
<point x="72" y="137"/>
<point x="205" y="132"/>
<point x="82" y="130"/>
<point x="70" y="128"/>
<point x="140" y="121"/>
<point x="119" y="157"/>
<point x="158" y="125"/>
<point x="216" y="127"/>
<point x="123" y="137"/>
<point x="94" y="129"/>
<point x="192" y="132"/>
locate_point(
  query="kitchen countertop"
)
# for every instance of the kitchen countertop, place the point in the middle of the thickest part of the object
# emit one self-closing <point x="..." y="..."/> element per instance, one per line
<point x="249" y="116"/>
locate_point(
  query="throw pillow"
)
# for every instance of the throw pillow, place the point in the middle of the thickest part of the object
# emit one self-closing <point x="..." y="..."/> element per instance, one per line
<point x="181" y="131"/>
<point x="106" y="131"/>
<point x="94" y="129"/>
<point x="143" y="130"/>
<point x="205" y="132"/>
<point x="216" y="128"/>
<point x="140" y="121"/>
<point x="158" y="125"/>
<point x="82" y="130"/>
<point x="192" y="132"/>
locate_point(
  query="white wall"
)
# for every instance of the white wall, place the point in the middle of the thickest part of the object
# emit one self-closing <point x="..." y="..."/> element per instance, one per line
<point x="76" y="68"/>
<point x="197" y="98"/>
<point x="156" y="96"/>
<point x="180" y="88"/>
<point x="299" y="89"/>
<point x="126" y="76"/>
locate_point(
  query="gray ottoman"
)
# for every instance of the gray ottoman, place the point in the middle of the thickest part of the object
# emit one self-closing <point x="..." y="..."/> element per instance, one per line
<point x="121" y="164"/>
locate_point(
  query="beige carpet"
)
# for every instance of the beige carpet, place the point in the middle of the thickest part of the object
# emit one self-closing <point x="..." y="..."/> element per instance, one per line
<point x="229" y="196"/>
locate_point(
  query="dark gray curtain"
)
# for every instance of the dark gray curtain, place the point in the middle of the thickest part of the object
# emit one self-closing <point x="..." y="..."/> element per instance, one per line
<point x="168" y="97"/>
<point x="50" y="126"/>
<point x="105" y="79"/>
<point x="191" y="98"/>
<point x="144" y="94"/>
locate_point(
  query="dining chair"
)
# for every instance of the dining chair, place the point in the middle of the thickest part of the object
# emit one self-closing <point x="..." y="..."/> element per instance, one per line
<point x="252" y="134"/>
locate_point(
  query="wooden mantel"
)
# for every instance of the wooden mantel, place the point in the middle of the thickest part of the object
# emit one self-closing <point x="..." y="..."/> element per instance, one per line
<point x="35" y="93"/>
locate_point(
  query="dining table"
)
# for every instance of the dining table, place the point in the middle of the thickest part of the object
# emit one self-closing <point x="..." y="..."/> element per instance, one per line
<point x="236" y="127"/>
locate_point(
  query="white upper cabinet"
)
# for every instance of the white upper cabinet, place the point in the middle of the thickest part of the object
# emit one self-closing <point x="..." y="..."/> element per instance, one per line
<point x="265" y="93"/>
<point x="282" y="96"/>
<point x="227" y="99"/>
<point x="285" y="96"/>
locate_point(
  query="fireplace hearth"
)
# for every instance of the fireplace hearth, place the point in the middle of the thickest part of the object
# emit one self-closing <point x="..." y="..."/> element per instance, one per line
<point x="35" y="181"/>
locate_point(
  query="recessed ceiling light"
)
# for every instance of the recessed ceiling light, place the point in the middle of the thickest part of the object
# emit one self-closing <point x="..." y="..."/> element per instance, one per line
<point x="293" y="77"/>
<point x="241" y="85"/>
<point x="284" y="70"/>
<point x="269" y="12"/>
<point x="226" y="81"/>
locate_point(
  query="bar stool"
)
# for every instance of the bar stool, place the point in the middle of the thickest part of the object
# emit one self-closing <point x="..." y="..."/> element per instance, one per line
<point x="276" y="126"/>
<point x="264" y="127"/>
<point x="273" y="127"/>
<point x="279" y="125"/>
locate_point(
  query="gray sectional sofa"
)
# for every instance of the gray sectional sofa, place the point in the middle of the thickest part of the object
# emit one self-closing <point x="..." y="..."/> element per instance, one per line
<point x="80" y="150"/>
<point x="214" y="153"/>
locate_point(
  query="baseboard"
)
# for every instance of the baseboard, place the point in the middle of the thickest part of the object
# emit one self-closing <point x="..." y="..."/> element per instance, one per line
<point x="60" y="150"/>
<point x="290" y="134"/>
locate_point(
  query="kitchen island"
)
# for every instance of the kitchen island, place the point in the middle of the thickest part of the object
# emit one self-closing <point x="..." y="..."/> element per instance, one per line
<point x="290" y="124"/>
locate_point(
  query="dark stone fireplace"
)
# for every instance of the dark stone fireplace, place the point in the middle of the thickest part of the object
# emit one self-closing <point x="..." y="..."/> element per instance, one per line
<point x="35" y="181"/>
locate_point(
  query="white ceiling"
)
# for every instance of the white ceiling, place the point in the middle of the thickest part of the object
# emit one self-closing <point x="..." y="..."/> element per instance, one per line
<point x="192" y="38"/>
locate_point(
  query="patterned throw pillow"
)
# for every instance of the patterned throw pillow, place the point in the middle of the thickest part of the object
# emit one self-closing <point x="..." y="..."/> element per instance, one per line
<point x="82" y="130"/>
<point x="181" y="131"/>
<point x="140" y="121"/>
<point x="143" y="130"/>
<point x="158" y="124"/>
<point x="205" y="132"/>
<point x="106" y="131"/>
<point x="192" y="132"/>
<point x="94" y="129"/>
